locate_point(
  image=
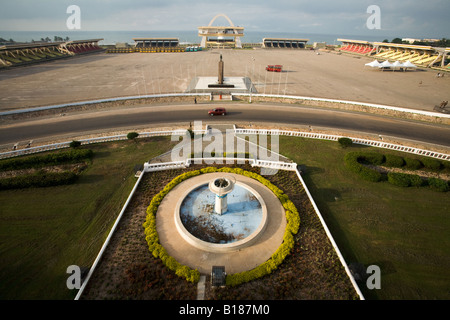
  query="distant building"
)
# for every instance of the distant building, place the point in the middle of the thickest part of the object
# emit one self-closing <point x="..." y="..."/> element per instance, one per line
<point x="284" y="43"/>
<point x="410" y="40"/>
<point x="221" y="36"/>
<point x="319" y="45"/>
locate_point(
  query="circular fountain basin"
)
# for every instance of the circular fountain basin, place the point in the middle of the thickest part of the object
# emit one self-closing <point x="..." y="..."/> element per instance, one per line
<point x="235" y="229"/>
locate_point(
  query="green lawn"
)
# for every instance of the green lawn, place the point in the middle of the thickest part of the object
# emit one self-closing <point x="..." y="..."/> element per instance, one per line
<point x="44" y="230"/>
<point x="405" y="231"/>
<point x="402" y="230"/>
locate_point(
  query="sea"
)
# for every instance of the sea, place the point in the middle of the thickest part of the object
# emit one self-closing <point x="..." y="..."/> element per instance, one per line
<point x="185" y="37"/>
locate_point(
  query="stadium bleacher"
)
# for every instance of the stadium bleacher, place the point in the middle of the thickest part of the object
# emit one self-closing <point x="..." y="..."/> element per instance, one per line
<point x="28" y="53"/>
<point x="425" y="56"/>
<point x="356" y="47"/>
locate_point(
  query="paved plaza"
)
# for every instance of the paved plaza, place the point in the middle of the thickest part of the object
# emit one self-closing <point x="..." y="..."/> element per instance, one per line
<point x="306" y="73"/>
<point x="244" y="259"/>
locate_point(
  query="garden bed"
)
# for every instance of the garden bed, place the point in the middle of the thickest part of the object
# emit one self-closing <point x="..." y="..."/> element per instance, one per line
<point x="129" y="271"/>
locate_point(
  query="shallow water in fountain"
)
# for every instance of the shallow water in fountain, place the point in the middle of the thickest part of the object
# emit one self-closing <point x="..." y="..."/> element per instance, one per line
<point x="243" y="217"/>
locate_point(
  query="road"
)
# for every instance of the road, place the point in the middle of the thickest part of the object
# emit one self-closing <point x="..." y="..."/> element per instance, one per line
<point x="146" y="116"/>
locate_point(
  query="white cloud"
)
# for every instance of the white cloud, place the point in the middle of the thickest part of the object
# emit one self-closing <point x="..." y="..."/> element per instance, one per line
<point x="319" y="16"/>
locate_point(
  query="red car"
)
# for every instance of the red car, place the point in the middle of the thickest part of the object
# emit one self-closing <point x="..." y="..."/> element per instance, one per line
<point x="217" y="111"/>
<point x="274" y="68"/>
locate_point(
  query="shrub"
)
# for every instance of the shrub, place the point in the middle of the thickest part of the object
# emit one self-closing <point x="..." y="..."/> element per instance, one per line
<point x="438" y="184"/>
<point x="412" y="164"/>
<point x="399" y="179"/>
<point x="415" y="180"/>
<point x="345" y="142"/>
<point x="39" y="179"/>
<point x="354" y="160"/>
<point x="132" y="135"/>
<point x="404" y="180"/>
<point x="75" y="144"/>
<point x="374" y="158"/>
<point x="393" y="161"/>
<point x="431" y="164"/>
<point x="46" y="160"/>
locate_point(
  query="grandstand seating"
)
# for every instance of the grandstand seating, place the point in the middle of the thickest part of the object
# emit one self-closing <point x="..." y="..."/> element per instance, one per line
<point x="83" y="46"/>
<point x="20" y="54"/>
<point x="145" y="49"/>
<point x="424" y="56"/>
<point x="356" y="47"/>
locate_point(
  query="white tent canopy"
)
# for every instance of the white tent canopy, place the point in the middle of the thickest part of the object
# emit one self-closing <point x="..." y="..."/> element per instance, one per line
<point x="408" y="64"/>
<point x="386" y="64"/>
<point x="373" y="64"/>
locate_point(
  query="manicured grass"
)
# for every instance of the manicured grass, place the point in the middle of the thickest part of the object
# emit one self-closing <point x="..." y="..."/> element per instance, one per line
<point x="402" y="230"/>
<point x="44" y="230"/>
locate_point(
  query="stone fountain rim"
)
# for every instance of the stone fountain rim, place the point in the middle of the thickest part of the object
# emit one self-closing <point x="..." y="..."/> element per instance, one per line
<point x="220" y="247"/>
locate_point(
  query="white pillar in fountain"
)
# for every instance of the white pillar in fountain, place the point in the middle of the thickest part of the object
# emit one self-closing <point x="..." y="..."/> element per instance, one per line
<point x="221" y="187"/>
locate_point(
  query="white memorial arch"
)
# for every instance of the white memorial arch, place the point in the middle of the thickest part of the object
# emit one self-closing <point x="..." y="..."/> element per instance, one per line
<point x="221" y="36"/>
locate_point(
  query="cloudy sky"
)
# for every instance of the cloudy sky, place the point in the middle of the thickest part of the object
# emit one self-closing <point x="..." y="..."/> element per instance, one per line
<point x="402" y="18"/>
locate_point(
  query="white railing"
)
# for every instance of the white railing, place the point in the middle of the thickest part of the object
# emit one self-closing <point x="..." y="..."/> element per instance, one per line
<point x="62" y="145"/>
<point x="322" y="136"/>
<point x="330" y="237"/>
<point x="309" y="135"/>
<point x="150" y="167"/>
<point x="108" y="239"/>
<point x="346" y="102"/>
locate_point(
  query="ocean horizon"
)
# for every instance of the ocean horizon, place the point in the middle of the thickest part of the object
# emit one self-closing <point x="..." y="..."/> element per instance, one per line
<point x="185" y="37"/>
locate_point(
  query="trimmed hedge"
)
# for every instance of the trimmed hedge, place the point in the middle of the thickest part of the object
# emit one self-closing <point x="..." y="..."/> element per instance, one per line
<point x="404" y="180"/>
<point x="394" y="161"/>
<point x="46" y="160"/>
<point x="431" y="164"/>
<point x="158" y="251"/>
<point x="438" y="184"/>
<point x="39" y="180"/>
<point x="412" y="164"/>
<point x="355" y="160"/>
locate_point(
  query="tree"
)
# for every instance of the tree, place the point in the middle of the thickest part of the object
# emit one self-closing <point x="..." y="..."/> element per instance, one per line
<point x="132" y="135"/>
<point x="75" y="144"/>
<point x="345" y="142"/>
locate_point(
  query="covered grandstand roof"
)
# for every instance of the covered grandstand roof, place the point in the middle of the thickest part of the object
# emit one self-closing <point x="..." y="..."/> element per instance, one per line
<point x="353" y="41"/>
<point x="286" y="39"/>
<point x="18" y="46"/>
<point x="83" y="41"/>
<point x="148" y="39"/>
<point x="156" y="42"/>
<point x="28" y="53"/>
<point x="284" y="43"/>
<point x="401" y="45"/>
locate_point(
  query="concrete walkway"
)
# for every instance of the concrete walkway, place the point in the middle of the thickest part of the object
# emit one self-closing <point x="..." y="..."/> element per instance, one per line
<point x="244" y="259"/>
